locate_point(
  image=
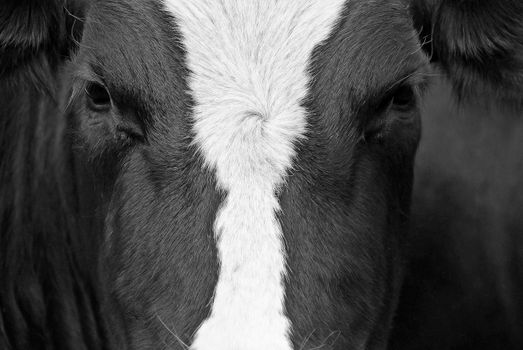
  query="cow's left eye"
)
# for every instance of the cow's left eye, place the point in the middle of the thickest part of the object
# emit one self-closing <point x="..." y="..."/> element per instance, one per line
<point x="403" y="98"/>
<point x="397" y="107"/>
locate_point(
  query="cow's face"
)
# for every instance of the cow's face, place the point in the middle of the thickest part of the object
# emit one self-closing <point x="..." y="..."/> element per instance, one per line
<point x="262" y="155"/>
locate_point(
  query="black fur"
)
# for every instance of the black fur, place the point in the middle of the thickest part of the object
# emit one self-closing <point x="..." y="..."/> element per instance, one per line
<point x="479" y="46"/>
<point x="161" y="255"/>
<point x="343" y="207"/>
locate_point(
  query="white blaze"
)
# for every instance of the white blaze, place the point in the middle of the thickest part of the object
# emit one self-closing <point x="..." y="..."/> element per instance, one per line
<point x="248" y="61"/>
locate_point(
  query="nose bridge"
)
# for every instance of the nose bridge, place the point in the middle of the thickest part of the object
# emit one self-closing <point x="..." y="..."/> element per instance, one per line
<point x="249" y="74"/>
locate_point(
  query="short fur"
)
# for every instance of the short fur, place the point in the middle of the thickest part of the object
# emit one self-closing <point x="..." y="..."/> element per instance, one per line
<point x="249" y="66"/>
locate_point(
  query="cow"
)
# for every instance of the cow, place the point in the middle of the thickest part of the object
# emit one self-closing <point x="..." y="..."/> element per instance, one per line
<point x="220" y="174"/>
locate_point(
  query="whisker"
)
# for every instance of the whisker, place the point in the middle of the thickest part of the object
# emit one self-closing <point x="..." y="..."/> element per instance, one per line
<point x="306" y="340"/>
<point x="173" y="333"/>
<point x="325" y="342"/>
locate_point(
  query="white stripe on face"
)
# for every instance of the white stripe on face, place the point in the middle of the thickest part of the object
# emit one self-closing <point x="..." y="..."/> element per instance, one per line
<point x="248" y="61"/>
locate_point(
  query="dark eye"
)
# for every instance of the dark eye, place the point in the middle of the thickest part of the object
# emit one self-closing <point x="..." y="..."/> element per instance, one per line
<point x="403" y="98"/>
<point x="98" y="97"/>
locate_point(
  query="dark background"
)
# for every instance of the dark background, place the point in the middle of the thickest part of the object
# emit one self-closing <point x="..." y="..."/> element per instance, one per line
<point x="464" y="282"/>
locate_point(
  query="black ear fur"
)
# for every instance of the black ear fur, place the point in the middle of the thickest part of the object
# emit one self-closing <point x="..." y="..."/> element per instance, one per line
<point x="37" y="34"/>
<point x="478" y="44"/>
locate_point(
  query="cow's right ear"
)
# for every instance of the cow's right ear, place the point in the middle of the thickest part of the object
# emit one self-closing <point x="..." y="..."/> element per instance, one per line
<point x="478" y="44"/>
<point x="37" y="30"/>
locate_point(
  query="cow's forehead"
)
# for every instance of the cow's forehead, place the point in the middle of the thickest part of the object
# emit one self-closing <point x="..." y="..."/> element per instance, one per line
<point x="249" y="63"/>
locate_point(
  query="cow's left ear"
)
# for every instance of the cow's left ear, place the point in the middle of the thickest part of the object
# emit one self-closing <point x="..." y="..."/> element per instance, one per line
<point x="37" y="30"/>
<point x="478" y="44"/>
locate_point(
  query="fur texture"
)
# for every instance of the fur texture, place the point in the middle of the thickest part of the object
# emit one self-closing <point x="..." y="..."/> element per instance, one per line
<point x="249" y="76"/>
<point x="51" y="296"/>
<point x="478" y="45"/>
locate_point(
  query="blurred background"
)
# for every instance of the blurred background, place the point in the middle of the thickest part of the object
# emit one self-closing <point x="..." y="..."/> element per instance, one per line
<point x="464" y="282"/>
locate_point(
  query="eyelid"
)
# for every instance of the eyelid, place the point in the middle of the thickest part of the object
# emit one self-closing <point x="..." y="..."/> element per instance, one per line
<point x="98" y="97"/>
<point x="417" y="80"/>
<point x="88" y="73"/>
<point x="82" y="76"/>
<point x="78" y="90"/>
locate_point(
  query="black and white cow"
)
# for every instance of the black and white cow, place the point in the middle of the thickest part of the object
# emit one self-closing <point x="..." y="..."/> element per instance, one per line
<point x="217" y="174"/>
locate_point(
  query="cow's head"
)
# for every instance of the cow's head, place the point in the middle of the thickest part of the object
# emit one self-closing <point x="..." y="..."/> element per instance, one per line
<point x="263" y="162"/>
<point x="257" y="165"/>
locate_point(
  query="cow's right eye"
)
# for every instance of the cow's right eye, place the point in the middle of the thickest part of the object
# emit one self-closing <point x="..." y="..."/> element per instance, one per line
<point x="98" y="98"/>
